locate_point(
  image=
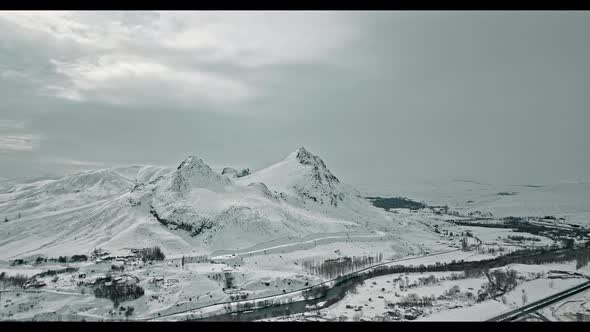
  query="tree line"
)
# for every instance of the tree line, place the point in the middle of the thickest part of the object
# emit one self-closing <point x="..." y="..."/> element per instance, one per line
<point x="334" y="267"/>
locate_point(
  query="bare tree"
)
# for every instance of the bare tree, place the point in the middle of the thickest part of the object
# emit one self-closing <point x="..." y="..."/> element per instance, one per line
<point x="500" y="282"/>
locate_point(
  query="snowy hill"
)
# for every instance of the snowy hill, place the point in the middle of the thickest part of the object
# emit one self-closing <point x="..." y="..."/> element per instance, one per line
<point x="304" y="180"/>
<point x="188" y="209"/>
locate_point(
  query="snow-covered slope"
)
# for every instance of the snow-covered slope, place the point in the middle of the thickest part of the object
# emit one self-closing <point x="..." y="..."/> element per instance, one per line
<point x="303" y="179"/>
<point x="218" y="213"/>
<point x="188" y="209"/>
<point x="141" y="173"/>
<point x="68" y="192"/>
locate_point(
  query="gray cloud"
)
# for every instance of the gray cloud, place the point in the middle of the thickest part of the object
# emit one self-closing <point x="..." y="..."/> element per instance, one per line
<point x="384" y="98"/>
<point x="118" y="57"/>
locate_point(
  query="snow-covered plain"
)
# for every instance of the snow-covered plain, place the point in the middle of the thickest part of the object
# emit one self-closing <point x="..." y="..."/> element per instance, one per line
<point x="567" y="199"/>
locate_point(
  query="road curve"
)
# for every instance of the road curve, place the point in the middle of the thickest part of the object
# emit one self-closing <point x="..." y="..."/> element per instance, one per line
<point x="532" y="307"/>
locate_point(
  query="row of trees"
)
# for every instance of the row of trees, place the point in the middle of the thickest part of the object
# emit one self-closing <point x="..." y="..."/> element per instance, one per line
<point x="341" y="266"/>
<point x="414" y="299"/>
<point x="523" y="238"/>
<point x="17" y="280"/>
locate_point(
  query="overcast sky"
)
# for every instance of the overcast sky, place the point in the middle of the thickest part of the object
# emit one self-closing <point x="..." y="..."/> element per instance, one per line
<point x="382" y="97"/>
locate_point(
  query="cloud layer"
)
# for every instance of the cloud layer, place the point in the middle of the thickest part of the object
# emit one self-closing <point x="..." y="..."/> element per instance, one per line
<point x="124" y="58"/>
<point x="383" y="97"/>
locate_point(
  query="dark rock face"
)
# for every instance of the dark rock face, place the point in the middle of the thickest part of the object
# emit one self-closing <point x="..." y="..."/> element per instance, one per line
<point x="194" y="229"/>
<point x="228" y="170"/>
<point x="232" y="171"/>
<point x="321" y="172"/>
<point x="324" y="183"/>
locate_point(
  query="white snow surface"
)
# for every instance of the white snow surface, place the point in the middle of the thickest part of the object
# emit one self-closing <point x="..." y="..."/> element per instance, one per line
<point x="568" y="199"/>
<point x="191" y="209"/>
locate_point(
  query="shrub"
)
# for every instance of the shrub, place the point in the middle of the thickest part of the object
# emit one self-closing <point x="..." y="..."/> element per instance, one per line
<point x="410" y="300"/>
<point x="117" y="291"/>
<point x="567" y="243"/>
<point x="229" y="280"/>
<point x="523" y="238"/>
<point x="318" y="291"/>
<point x="473" y="273"/>
<point x="499" y="282"/>
<point x="55" y="272"/>
<point x="18" y="280"/>
<point x="96" y="253"/>
<point x="117" y="268"/>
<point x="78" y="258"/>
<point x="152" y="254"/>
<point x="18" y="261"/>
<point x="454" y="290"/>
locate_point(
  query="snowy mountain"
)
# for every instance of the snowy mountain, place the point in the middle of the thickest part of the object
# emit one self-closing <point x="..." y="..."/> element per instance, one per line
<point x="188" y="209"/>
<point x="304" y="180"/>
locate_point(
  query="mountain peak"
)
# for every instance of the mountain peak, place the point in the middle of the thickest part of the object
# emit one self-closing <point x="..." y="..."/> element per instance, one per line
<point x="193" y="172"/>
<point x="191" y="162"/>
<point x="304" y="157"/>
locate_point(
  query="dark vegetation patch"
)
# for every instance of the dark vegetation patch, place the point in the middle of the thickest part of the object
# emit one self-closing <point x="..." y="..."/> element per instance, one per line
<point x="333" y="267"/>
<point x="18" y="261"/>
<point x="60" y="259"/>
<point x="116" y="290"/>
<point x="18" y="280"/>
<point x="413" y="300"/>
<point x="396" y="203"/>
<point x="56" y="272"/>
<point x="526" y="256"/>
<point x="523" y="238"/>
<point x="117" y="268"/>
<point x="499" y="283"/>
<point x="78" y="258"/>
<point x="151" y="254"/>
<point x="524" y="225"/>
<point x="315" y="291"/>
